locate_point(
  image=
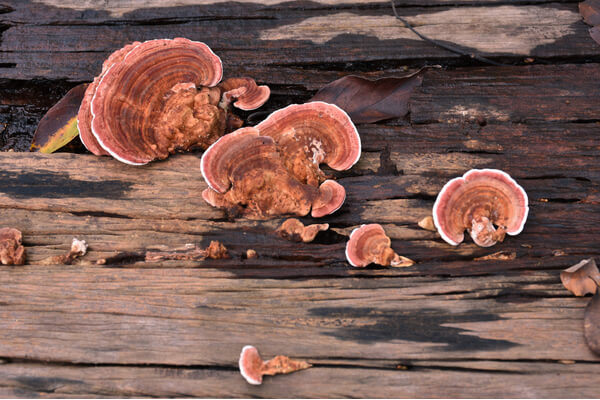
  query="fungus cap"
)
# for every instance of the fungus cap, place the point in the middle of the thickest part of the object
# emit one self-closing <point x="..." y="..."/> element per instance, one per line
<point x="248" y="94"/>
<point x="477" y="201"/>
<point x="331" y="197"/>
<point x="369" y="244"/>
<point x="324" y="131"/>
<point x="131" y="92"/>
<point x="250" y="365"/>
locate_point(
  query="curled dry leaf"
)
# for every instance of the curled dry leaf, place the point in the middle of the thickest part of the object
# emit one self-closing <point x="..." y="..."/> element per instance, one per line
<point x="253" y="368"/>
<point x="591" y="324"/>
<point x="293" y="229"/>
<point x="371" y="100"/>
<point x="582" y="278"/>
<point x="190" y="252"/>
<point x="369" y="244"/>
<point x="590" y="11"/>
<point x="500" y="255"/>
<point x="59" y="126"/>
<point x="12" y="251"/>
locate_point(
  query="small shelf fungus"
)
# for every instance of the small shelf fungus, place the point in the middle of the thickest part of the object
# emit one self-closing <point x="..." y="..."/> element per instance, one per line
<point x="487" y="203"/>
<point x="293" y="229"/>
<point x="159" y="97"/>
<point x="252" y="366"/>
<point x="369" y="244"/>
<point x="273" y="168"/>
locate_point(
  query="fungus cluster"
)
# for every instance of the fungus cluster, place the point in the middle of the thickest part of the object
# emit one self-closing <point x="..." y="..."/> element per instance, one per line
<point x="12" y="251"/>
<point x="487" y="203"/>
<point x="161" y="96"/>
<point x="253" y="367"/>
<point x="273" y="168"/>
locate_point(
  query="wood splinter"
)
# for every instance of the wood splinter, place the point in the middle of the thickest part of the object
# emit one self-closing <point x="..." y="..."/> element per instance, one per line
<point x="190" y="252"/>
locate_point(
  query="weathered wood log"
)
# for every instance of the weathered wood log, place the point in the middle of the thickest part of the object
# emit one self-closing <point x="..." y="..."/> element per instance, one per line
<point x="458" y="379"/>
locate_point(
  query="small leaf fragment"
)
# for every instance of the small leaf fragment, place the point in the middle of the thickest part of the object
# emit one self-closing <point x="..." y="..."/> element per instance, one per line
<point x="581" y="278"/>
<point x="371" y="100"/>
<point x="59" y="126"/>
<point x="590" y="11"/>
<point x="591" y="324"/>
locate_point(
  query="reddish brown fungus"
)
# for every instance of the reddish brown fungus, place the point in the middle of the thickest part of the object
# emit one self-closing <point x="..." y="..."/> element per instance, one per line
<point x="293" y="229"/>
<point x="310" y="134"/>
<point x="487" y="203"/>
<point x="159" y="97"/>
<point x="369" y="244"/>
<point x="582" y="278"/>
<point x="253" y="368"/>
<point x="273" y="168"/>
<point x="12" y="251"/>
<point x="247" y="94"/>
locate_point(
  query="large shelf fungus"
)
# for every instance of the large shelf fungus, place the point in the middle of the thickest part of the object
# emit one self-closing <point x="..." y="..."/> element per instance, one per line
<point x="158" y="97"/>
<point x="273" y="168"/>
<point x="487" y="203"/>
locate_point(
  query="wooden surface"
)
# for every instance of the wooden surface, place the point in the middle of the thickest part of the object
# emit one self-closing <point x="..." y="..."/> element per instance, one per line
<point x="450" y="326"/>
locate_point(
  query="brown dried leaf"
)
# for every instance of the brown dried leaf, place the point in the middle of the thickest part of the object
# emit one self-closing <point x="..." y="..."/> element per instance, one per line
<point x="370" y="101"/>
<point x="591" y="324"/>
<point x="582" y="278"/>
<point x="590" y="11"/>
<point x="59" y="126"/>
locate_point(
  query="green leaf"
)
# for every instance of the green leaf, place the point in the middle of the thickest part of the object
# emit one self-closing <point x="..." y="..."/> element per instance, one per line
<point x="59" y="126"/>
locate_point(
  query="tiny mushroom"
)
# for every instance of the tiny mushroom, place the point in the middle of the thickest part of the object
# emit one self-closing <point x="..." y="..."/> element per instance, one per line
<point x="158" y="97"/>
<point x="369" y="244"/>
<point x="252" y="366"/>
<point x="293" y="229"/>
<point x="486" y="202"/>
<point x="582" y="278"/>
<point x="12" y="251"/>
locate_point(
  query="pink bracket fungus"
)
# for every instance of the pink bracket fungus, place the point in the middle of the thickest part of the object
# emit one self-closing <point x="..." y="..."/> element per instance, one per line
<point x="12" y="251"/>
<point x="310" y="134"/>
<point x="245" y="173"/>
<point x="159" y="97"/>
<point x="252" y="366"/>
<point x="369" y="244"/>
<point x="273" y="168"/>
<point x="247" y="93"/>
<point x="486" y="202"/>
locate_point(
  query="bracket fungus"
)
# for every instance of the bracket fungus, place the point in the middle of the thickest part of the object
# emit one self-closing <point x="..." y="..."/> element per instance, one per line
<point x="293" y="229"/>
<point x="252" y="366"/>
<point x="488" y="203"/>
<point x="369" y="244"/>
<point x="158" y="97"/>
<point x="310" y="134"/>
<point x="273" y="168"/>
<point x="12" y="251"/>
